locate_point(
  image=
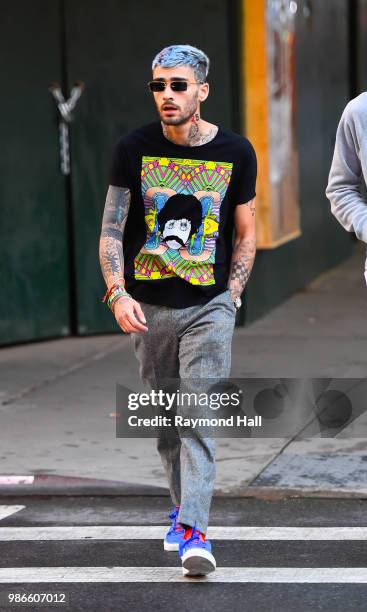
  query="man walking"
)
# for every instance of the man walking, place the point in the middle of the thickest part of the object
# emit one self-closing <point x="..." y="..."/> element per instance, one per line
<point x="348" y="172"/>
<point x="178" y="188"/>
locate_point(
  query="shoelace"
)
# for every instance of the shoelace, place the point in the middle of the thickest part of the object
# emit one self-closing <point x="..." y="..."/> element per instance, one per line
<point x="196" y="536"/>
<point x="173" y="516"/>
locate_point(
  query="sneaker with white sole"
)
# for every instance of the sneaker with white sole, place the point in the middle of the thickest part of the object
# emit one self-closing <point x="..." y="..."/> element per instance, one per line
<point x="175" y="533"/>
<point x="196" y="554"/>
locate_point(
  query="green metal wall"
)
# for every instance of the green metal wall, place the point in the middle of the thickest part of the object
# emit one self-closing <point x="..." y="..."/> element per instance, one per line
<point x="33" y="245"/>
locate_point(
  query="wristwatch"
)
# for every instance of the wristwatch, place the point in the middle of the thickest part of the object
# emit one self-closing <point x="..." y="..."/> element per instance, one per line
<point x="237" y="302"/>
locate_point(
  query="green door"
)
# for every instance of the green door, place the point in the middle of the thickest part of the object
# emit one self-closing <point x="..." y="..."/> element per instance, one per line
<point x="34" y="297"/>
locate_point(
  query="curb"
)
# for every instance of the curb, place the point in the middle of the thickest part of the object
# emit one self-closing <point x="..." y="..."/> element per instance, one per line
<point x="46" y="485"/>
<point x="279" y="493"/>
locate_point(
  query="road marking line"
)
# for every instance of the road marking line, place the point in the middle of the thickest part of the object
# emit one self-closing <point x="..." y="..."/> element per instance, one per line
<point x="9" y="510"/>
<point x="340" y="575"/>
<point x="123" y="532"/>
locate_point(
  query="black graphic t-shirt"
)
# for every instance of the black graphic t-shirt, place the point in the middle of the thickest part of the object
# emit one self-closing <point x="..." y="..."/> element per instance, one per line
<point x="178" y="235"/>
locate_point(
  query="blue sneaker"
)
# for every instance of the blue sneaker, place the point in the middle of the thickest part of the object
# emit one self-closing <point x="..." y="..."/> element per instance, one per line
<point x="196" y="554"/>
<point x="175" y="533"/>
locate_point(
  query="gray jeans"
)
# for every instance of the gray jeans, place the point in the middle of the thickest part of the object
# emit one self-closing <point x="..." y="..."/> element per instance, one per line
<point x="187" y="343"/>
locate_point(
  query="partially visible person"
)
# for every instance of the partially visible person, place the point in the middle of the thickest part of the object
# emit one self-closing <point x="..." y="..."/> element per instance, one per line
<point x="348" y="172"/>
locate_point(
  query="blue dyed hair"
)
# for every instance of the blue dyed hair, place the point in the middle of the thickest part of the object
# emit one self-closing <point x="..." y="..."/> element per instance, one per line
<point x="183" y="55"/>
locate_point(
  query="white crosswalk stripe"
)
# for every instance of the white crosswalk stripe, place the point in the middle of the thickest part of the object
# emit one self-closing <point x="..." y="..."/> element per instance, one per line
<point x="81" y="574"/>
<point x="118" y="532"/>
<point x="9" y="510"/>
<point x="340" y="575"/>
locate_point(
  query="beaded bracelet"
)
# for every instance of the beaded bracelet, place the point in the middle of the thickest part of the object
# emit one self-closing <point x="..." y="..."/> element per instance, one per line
<point x="114" y="292"/>
<point x="111" y="289"/>
<point x="114" y="297"/>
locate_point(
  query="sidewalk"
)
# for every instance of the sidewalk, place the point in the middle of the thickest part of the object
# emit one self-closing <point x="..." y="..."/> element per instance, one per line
<point x="57" y="401"/>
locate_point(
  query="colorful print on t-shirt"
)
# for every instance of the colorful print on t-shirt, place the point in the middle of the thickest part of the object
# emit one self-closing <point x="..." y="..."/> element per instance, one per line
<point x="182" y="200"/>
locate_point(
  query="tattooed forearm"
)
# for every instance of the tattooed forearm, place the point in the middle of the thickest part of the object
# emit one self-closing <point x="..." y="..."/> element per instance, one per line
<point x="243" y="258"/>
<point x="113" y="224"/>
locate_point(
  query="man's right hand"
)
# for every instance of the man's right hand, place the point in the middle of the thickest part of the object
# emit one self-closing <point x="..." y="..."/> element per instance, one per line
<point x="127" y="313"/>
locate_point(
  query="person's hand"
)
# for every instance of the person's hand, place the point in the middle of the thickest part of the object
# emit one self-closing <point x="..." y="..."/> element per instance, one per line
<point x="127" y="313"/>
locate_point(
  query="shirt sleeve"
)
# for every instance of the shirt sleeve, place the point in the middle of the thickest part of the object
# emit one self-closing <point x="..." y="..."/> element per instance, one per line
<point x="344" y="184"/>
<point x="119" y="173"/>
<point x="244" y="188"/>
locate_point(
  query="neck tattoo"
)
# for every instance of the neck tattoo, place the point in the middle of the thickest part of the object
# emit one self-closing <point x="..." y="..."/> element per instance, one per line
<point x="195" y="136"/>
<point x="194" y="132"/>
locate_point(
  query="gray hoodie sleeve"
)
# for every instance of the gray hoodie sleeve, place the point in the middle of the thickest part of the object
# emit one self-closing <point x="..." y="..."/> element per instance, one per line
<point x="345" y="178"/>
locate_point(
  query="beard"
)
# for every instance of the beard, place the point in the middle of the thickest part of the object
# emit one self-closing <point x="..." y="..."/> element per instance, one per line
<point x="182" y="116"/>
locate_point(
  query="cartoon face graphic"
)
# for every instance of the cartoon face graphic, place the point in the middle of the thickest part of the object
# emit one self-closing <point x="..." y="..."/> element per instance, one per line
<point x="176" y="232"/>
<point x="179" y="220"/>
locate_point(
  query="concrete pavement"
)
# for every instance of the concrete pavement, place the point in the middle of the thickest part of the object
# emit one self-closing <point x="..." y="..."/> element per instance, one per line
<point x="57" y="403"/>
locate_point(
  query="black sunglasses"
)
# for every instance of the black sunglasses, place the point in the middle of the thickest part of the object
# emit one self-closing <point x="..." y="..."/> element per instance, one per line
<point x="175" y="85"/>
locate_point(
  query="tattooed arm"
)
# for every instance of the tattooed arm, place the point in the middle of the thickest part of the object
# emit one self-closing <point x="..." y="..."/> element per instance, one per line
<point x="113" y="224"/>
<point x="111" y="256"/>
<point x="244" y="248"/>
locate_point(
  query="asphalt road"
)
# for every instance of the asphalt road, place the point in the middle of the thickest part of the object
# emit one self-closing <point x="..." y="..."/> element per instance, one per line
<point x="88" y="549"/>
